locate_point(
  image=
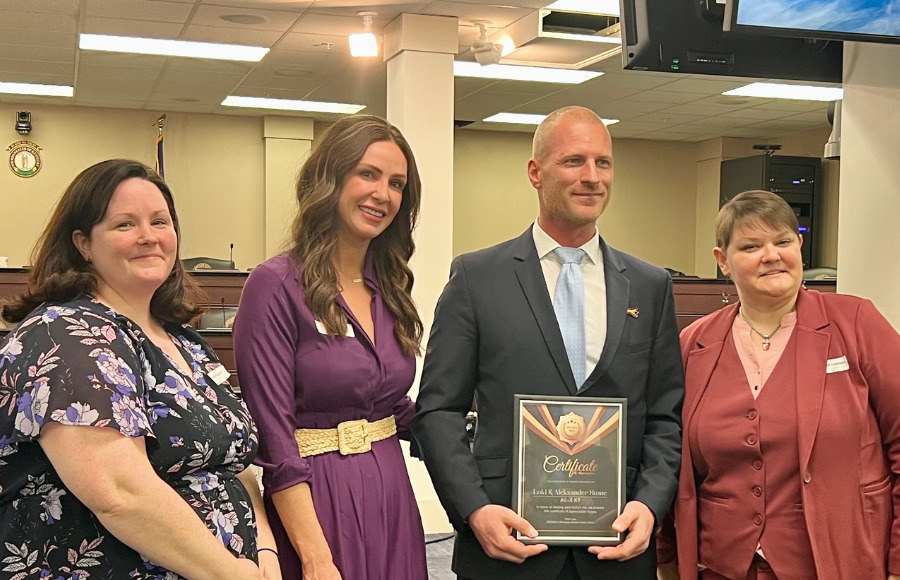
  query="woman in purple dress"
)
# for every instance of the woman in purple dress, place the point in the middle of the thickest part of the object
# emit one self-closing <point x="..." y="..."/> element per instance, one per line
<point x="325" y="340"/>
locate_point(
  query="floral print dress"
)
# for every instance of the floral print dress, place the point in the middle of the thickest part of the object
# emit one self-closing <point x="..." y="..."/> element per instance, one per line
<point x="80" y="363"/>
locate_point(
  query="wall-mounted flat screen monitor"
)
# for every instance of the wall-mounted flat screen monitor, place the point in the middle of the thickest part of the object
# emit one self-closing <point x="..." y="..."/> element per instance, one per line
<point x="686" y="36"/>
<point x="858" y="20"/>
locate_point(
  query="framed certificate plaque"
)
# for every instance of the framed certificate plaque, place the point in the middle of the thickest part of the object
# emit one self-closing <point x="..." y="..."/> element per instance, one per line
<point x="569" y="468"/>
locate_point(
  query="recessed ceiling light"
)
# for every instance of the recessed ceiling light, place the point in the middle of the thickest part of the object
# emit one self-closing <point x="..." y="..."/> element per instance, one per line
<point x="162" y="47"/>
<point x="784" y="91"/>
<point x="523" y="73"/>
<point x="604" y="7"/>
<point x="528" y="119"/>
<point x="36" y="89"/>
<point x="248" y="19"/>
<point x="292" y="105"/>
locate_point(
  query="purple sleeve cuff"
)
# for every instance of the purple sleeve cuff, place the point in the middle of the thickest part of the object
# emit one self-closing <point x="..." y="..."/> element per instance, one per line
<point x="288" y="473"/>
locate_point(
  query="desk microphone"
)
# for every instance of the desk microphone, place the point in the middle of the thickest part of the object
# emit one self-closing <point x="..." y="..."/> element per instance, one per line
<point x="231" y="254"/>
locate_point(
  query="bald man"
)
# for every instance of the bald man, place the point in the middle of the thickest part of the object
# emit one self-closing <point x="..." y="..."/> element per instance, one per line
<point x="495" y="334"/>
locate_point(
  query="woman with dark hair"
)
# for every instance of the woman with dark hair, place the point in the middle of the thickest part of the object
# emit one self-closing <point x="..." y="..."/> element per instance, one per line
<point x="124" y="448"/>
<point x="791" y="416"/>
<point x="325" y="340"/>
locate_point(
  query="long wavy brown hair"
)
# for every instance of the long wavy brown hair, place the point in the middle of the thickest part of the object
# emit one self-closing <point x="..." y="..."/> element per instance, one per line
<point x="315" y="229"/>
<point x="60" y="273"/>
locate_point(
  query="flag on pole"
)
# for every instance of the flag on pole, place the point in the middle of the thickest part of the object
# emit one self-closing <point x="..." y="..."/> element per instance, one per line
<point x="160" y="168"/>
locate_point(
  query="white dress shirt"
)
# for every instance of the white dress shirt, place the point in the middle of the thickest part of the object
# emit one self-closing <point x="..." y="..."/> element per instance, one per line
<point x="594" y="288"/>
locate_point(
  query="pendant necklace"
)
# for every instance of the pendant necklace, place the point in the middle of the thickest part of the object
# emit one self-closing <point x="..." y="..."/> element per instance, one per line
<point x="766" y="338"/>
<point x="355" y="279"/>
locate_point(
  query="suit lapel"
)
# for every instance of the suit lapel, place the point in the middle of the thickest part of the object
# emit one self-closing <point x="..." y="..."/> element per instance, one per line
<point x="810" y="363"/>
<point x="531" y="279"/>
<point x="618" y="289"/>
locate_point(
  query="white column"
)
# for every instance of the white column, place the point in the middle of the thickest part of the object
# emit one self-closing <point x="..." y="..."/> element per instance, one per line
<point x="288" y="141"/>
<point x="868" y="254"/>
<point x="419" y="53"/>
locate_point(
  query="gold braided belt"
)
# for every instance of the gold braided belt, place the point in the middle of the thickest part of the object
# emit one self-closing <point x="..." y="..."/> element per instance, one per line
<point x="349" y="437"/>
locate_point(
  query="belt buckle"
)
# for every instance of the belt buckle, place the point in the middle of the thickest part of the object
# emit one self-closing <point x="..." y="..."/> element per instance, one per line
<point x="353" y="437"/>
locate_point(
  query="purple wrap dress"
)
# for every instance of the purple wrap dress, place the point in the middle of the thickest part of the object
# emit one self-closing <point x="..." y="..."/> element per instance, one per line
<point x="294" y="376"/>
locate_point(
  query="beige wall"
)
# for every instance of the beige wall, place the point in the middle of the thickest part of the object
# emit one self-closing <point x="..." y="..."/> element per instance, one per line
<point x="651" y="213"/>
<point x="709" y="157"/>
<point x="664" y="196"/>
<point x="214" y="164"/>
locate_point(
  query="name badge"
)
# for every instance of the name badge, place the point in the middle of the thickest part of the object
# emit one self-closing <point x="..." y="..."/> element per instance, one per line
<point x="836" y="365"/>
<point x="219" y="374"/>
<point x="321" y="328"/>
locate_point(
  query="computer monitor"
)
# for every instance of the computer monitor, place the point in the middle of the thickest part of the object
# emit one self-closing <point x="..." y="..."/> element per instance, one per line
<point x="856" y="20"/>
<point x="683" y="36"/>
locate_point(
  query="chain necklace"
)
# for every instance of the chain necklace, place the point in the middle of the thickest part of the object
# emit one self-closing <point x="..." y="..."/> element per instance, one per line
<point x="766" y="338"/>
<point x="356" y="279"/>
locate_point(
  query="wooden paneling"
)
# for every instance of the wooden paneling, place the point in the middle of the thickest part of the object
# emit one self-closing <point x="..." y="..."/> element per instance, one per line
<point x="221" y="288"/>
<point x="218" y="289"/>
<point x="696" y="297"/>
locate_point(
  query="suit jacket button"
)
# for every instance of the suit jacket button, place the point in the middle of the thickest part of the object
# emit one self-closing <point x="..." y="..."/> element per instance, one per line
<point x="807" y="477"/>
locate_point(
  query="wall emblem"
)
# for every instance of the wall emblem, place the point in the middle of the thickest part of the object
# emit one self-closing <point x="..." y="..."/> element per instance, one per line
<point x="24" y="158"/>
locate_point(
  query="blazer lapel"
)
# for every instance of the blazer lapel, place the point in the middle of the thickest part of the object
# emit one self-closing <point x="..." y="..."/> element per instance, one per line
<point x="618" y="289"/>
<point x="531" y="279"/>
<point x="702" y="357"/>
<point x="810" y="363"/>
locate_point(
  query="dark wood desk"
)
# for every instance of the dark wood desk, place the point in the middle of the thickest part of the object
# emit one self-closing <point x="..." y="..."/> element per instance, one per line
<point x="694" y="297"/>
<point x="220" y="289"/>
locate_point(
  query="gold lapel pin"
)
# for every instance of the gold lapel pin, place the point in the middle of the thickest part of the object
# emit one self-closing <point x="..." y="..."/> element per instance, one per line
<point x="633" y="312"/>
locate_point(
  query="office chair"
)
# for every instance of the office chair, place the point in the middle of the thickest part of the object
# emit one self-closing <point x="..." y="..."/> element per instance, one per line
<point x="217" y="318"/>
<point x="820" y="274"/>
<point x="207" y="264"/>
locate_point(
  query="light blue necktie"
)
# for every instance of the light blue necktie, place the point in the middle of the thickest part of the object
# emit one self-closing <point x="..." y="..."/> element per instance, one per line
<point x="569" y="307"/>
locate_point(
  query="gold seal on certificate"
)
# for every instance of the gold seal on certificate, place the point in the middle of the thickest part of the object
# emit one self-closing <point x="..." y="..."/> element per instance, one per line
<point x="568" y="468"/>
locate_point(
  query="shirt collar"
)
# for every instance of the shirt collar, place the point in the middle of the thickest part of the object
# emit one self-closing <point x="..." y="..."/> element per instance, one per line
<point x="545" y="244"/>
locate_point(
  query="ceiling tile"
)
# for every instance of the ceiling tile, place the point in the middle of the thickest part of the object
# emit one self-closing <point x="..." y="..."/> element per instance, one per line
<point x="755" y="113"/>
<point x="136" y="28"/>
<point x="245" y="37"/>
<point x="58" y="7"/>
<point x="275" y="20"/>
<point x="662" y="96"/>
<point x="151" y="10"/>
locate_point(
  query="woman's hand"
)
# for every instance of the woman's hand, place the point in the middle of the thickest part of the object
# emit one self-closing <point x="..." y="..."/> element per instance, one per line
<point x="298" y="514"/>
<point x="268" y="565"/>
<point x="323" y="569"/>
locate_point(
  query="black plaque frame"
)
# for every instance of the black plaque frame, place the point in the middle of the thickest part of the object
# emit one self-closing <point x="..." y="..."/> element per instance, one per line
<point x="581" y="493"/>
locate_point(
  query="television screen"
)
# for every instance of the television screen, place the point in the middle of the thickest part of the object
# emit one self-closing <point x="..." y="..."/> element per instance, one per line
<point x="861" y="20"/>
<point x="684" y="36"/>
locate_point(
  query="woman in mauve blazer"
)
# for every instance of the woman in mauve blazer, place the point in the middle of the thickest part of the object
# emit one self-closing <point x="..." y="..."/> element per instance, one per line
<point x="797" y="479"/>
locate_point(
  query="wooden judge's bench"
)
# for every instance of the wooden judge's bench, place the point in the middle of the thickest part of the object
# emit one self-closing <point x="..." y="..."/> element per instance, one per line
<point x="694" y="297"/>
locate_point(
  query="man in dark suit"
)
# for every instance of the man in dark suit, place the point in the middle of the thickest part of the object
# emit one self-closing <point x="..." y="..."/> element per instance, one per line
<point x="495" y="334"/>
